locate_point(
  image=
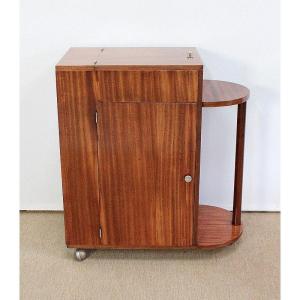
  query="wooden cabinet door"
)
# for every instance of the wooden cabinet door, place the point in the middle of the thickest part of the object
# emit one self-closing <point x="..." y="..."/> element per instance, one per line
<point x="145" y="150"/>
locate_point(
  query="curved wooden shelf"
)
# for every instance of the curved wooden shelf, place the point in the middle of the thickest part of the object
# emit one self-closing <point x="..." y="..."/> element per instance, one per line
<point x="215" y="228"/>
<point x="222" y="93"/>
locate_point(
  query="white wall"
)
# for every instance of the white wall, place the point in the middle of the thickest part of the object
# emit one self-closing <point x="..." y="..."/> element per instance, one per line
<point x="238" y="41"/>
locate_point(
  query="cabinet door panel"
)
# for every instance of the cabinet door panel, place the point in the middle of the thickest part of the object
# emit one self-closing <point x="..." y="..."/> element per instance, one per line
<point x="78" y="149"/>
<point x="144" y="152"/>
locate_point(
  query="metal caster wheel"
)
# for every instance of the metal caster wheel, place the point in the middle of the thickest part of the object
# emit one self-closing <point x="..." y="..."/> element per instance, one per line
<point x="80" y="254"/>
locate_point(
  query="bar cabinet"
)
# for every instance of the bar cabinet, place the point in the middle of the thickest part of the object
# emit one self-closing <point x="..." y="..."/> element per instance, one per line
<point x="130" y="137"/>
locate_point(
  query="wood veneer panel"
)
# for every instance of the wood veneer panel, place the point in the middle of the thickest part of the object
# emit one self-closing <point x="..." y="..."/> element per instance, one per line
<point x="223" y="93"/>
<point x="198" y="154"/>
<point x="145" y="150"/>
<point x="78" y="148"/>
<point x="215" y="227"/>
<point x="146" y="86"/>
<point x="117" y="58"/>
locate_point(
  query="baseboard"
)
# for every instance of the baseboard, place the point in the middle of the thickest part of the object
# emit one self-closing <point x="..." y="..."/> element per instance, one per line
<point x="60" y="208"/>
<point x="42" y="207"/>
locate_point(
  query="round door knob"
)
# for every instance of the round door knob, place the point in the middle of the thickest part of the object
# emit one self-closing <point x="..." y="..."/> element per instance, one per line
<point x="188" y="178"/>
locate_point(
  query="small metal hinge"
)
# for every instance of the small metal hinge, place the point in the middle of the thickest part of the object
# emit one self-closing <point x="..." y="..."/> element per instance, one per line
<point x="100" y="232"/>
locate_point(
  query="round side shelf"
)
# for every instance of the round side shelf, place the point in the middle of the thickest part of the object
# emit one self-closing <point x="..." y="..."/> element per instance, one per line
<point x="215" y="227"/>
<point x="222" y="93"/>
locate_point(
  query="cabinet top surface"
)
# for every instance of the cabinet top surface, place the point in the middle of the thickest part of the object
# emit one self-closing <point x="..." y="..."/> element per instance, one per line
<point x="127" y="58"/>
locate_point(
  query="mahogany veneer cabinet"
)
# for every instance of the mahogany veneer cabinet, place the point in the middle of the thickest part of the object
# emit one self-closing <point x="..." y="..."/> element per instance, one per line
<point x="130" y="128"/>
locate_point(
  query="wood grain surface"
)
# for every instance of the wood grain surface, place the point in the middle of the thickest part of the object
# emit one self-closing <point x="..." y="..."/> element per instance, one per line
<point x="123" y="176"/>
<point x="198" y="156"/>
<point x="145" y="150"/>
<point x="116" y="58"/>
<point x="239" y="163"/>
<point x="146" y="86"/>
<point x="215" y="228"/>
<point x="222" y="93"/>
<point x="78" y="150"/>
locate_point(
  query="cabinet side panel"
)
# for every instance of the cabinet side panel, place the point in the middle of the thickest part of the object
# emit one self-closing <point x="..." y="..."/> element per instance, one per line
<point x="78" y="149"/>
<point x="198" y="156"/>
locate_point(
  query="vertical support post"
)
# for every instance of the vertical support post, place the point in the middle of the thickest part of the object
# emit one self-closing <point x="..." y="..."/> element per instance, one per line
<point x="239" y="163"/>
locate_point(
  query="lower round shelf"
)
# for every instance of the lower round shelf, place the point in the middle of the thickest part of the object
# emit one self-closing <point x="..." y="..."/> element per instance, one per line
<point x="215" y="227"/>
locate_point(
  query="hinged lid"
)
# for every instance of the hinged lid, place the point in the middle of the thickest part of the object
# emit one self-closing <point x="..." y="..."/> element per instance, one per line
<point x="131" y="58"/>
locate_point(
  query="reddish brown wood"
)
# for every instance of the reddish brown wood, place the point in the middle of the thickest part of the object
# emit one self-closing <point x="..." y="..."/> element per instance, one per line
<point x="215" y="228"/>
<point x="78" y="149"/>
<point x="239" y="162"/>
<point x="159" y="205"/>
<point x="145" y="150"/>
<point x="197" y="163"/>
<point x="222" y="93"/>
<point x="130" y="58"/>
<point x="146" y="86"/>
<point x="126" y="175"/>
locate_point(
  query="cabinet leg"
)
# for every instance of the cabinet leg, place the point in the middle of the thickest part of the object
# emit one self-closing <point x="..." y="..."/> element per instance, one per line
<point x="239" y="162"/>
